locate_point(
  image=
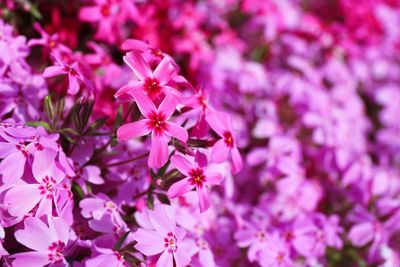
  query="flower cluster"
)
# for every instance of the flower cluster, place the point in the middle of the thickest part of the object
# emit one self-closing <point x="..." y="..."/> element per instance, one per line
<point x="199" y="133"/>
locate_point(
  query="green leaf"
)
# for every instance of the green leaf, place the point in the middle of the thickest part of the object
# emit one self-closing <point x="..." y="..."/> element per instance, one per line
<point x="120" y="241"/>
<point x="150" y="200"/>
<point x="70" y="130"/>
<point x="98" y="124"/>
<point x="77" y="191"/>
<point x="163" y="198"/>
<point x="48" y="108"/>
<point x="39" y="123"/>
<point x="118" y="117"/>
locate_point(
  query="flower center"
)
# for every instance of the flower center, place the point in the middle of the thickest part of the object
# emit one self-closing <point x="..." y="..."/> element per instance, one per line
<point x="197" y="177"/>
<point x="109" y="205"/>
<point x="170" y="242"/>
<point x="228" y="139"/>
<point x="280" y="257"/>
<point x="22" y="149"/>
<point x="261" y="236"/>
<point x="56" y="250"/>
<point x="48" y="186"/>
<point x="152" y="86"/>
<point x="157" y="122"/>
<point x="105" y="10"/>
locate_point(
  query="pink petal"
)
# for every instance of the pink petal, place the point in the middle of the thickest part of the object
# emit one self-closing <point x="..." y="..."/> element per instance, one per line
<point x="59" y="229"/>
<point x="149" y="242"/>
<point x="144" y="103"/>
<point x="177" y="131"/>
<point x="6" y="148"/>
<point x="245" y="237"/>
<point x="92" y="174"/>
<point x="215" y="123"/>
<point x="164" y="71"/>
<point x="40" y="165"/>
<point x="73" y="84"/>
<point x="182" y="258"/>
<point x="237" y="162"/>
<point x="182" y="164"/>
<point x="214" y="178"/>
<point x="35" y="235"/>
<point x="203" y="198"/>
<point x="361" y="234"/>
<point x="45" y="207"/>
<point x="166" y="260"/>
<point x="22" y="199"/>
<point x="219" y="152"/>
<point x="132" y="44"/>
<point x="90" y="14"/>
<point x="32" y="258"/>
<point x="168" y="105"/>
<point x="53" y="71"/>
<point x="160" y="220"/>
<point x="159" y="151"/>
<point x="12" y="167"/>
<point x="206" y="258"/>
<point x="136" y="62"/>
<point x="133" y="129"/>
<point x="123" y="94"/>
<point x="179" y="188"/>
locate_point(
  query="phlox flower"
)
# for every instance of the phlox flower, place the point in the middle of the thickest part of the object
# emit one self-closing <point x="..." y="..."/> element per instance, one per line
<point x="276" y="253"/>
<point x="156" y="122"/>
<point x="161" y="235"/>
<point x="48" y="242"/>
<point x="3" y="252"/>
<point x="197" y="177"/>
<point x="149" y="82"/>
<point x="226" y="146"/>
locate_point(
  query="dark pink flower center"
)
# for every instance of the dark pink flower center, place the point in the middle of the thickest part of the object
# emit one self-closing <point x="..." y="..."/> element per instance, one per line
<point x="48" y="186"/>
<point x="22" y="149"/>
<point x="261" y="236"/>
<point x="152" y="86"/>
<point x="280" y="257"/>
<point x="228" y="139"/>
<point x="170" y="242"/>
<point x="105" y="10"/>
<point x="157" y="122"/>
<point x="197" y="177"/>
<point x="56" y="250"/>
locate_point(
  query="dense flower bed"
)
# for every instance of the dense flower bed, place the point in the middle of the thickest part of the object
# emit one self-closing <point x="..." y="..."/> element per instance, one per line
<point x="202" y="133"/>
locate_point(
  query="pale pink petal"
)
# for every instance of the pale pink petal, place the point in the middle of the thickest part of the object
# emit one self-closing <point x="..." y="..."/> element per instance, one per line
<point x="32" y="258"/>
<point x="237" y="162"/>
<point x="164" y="71"/>
<point x="179" y="188"/>
<point x="53" y="71"/>
<point x="177" y="131"/>
<point x="215" y="123"/>
<point x="92" y="174"/>
<point x="133" y="129"/>
<point x="203" y="198"/>
<point x="361" y="234"/>
<point x="182" y="258"/>
<point x="165" y="260"/>
<point x="40" y="165"/>
<point x="35" y="235"/>
<point x="245" y="237"/>
<point x="136" y="62"/>
<point x="168" y="105"/>
<point x="160" y="220"/>
<point x="220" y="151"/>
<point x="6" y="148"/>
<point x="22" y="199"/>
<point x="214" y="178"/>
<point x="182" y="164"/>
<point x="123" y="94"/>
<point x="146" y="106"/>
<point x="148" y="242"/>
<point x="73" y="84"/>
<point x="12" y="167"/>
<point x="109" y="260"/>
<point x="159" y="151"/>
<point x="45" y="207"/>
<point x="206" y="258"/>
<point x="59" y="229"/>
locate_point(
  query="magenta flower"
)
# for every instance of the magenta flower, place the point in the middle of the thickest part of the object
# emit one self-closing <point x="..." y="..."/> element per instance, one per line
<point x="226" y="146"/>
<point x="156" y="122"/>
<point x="75" y="77"/>
<point x="165" y="238"/>
<point x="195" y="177"/>
<point x="151" y="83"/>
<point x="48" y="242"/>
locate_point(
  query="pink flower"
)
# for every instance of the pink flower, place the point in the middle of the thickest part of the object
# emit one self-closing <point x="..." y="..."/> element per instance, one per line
<point x="156" y="122"/>
<point x="152" y="83"/>
<point x="275" y="253"/>
<point x="48" y="242"/>
<point x="222" y="125"/>
<point x="163" y="237"/>
<point x="195" y="177"/>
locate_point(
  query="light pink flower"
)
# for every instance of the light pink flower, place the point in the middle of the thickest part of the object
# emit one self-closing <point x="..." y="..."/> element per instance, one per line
<point x="226" y="146"/>
<point x="48" y="242"/>
<point x="163" y="237"/>
<point x="195" y="177"/>
<point x="156" y="122"/>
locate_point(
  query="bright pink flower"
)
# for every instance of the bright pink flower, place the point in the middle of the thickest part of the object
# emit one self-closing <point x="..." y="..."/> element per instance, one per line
<point x="151" y="83"/>
<point x="49" y="242"/>
<point x="156" y="122"/>
<point x="163" y="237"/>
<point x="222" y="125"/>
<point x="195" y="177"/>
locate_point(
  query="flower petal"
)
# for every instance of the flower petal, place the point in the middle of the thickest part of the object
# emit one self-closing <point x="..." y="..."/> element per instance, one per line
<point x="90" y="13"/>
<point x="219" y="152"/>
<point x="213" y="177"/>
<point x="73" y="84"/>
<point x="168" y="105"/>
<point x="165" y="260"/>
<point x="215" y="123"/>
<point x="237" y="162"/>
<point x="203" y="198"/>
<point x="146" y="106"/>
<point x="59" y="229"/>
<point x="179" y="188"/>
<point x="165" y="71"/>
<point x="31" y="258"/>
<point x="133" y="129"/>
<point x="53" y="71"/>
<point x="177" y="131"/>
<point x="159" y="151"/>
<point x="136" y="62"/>
<point x="35" y="235"/>
<point x="182" y="164"/>
<point x="22" y="199"/>
<point x="12" y="167"/>
<point x="148" y="242"/>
